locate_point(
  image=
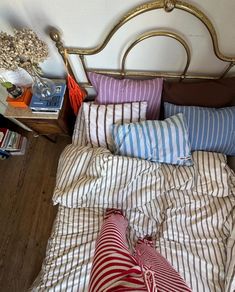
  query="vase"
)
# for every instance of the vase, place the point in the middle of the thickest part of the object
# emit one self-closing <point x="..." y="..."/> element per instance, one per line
<point x="42" y="87"/>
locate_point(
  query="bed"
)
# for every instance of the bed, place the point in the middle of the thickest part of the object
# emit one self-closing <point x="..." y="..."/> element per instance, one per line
<point x="179" y="189"/>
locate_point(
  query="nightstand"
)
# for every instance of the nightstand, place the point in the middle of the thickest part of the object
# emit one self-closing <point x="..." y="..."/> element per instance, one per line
<point x="61" y="123"/>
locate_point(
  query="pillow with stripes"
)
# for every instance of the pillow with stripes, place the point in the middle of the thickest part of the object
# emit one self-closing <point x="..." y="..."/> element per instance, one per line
<point x="157" y="141"/>
<point x="210" y="129"/>
<point x="100" y="118"/>
<point x="79" y="132"/>
<point x="112" y="90"/>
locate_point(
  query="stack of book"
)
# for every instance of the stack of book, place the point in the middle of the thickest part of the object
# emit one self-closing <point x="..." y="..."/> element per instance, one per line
<point x="54" y="104"/>
<point x="11" y="143"/>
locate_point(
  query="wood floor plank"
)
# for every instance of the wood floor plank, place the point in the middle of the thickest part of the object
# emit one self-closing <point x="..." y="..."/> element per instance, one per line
<point x="26" y="211"/>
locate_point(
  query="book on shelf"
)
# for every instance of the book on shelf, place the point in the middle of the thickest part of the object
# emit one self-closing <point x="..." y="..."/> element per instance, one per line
<point x="54" y="104"/>
<point x="4" y="154"/>
<point x="12" y="143"/>
<point x="3" y="136"/>
<point x="22" y="147"/>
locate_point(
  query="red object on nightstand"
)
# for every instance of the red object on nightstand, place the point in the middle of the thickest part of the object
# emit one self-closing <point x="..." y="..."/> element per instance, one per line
<point x="22" y="101"/>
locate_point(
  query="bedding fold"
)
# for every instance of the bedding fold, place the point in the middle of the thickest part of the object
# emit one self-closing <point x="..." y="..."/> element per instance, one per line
<point x="120" y="182"/>
<point x="125" y="182"/>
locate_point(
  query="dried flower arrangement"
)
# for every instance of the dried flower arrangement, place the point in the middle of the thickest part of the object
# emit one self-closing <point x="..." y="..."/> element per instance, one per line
<point x="23" y="49"/>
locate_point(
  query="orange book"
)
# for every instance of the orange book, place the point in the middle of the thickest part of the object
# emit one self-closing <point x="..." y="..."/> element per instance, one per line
<point x="22" y="101"/>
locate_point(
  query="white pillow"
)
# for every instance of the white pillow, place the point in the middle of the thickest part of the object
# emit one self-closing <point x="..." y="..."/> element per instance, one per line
<point x="79" y="131"/>
<point x="100" y="118"/>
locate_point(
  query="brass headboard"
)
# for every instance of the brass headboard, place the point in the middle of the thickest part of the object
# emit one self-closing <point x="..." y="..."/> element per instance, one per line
<point x="168" y="6"/>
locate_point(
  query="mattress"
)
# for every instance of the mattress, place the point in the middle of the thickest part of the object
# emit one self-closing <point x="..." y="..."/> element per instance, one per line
<point x="189" y="211"/>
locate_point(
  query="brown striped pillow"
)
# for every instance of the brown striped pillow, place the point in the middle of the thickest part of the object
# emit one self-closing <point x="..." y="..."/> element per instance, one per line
<point x="100" y="118"/>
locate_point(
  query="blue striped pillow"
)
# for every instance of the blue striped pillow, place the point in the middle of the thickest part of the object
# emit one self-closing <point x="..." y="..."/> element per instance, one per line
<point x="158" y="141"/>
<point x="209" y="129"/>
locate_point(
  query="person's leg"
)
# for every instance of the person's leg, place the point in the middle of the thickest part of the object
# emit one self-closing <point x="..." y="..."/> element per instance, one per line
<point x="114" y="268"/>
<point x="159" y="275"/>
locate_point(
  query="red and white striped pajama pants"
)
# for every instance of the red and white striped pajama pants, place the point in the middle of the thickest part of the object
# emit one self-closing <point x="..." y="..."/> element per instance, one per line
<point x="115" y="269"/>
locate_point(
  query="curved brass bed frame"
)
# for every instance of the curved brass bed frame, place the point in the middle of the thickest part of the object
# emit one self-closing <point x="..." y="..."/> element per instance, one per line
<point x="168" y="6"/>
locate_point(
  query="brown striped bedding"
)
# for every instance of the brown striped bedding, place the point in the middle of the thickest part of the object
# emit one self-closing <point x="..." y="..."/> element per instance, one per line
<point x="93" y="177"/>
<point x="190" y="211"/>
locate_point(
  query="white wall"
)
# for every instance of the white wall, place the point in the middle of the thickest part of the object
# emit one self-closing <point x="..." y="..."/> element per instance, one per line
<point x="85" y="23"/>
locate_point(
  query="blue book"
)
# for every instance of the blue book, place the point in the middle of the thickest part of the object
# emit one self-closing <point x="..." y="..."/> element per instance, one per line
<point x="54" y="104"/>
<point x="4" y="154"/>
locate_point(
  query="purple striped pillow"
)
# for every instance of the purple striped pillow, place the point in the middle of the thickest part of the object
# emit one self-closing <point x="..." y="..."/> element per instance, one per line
<point x="111" y="90"/>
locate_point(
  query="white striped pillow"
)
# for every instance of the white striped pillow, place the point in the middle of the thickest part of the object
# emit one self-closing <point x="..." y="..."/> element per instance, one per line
<point x="157" y="141"/>
<point x="79" y="132"/>
<point x="100" y="118"/>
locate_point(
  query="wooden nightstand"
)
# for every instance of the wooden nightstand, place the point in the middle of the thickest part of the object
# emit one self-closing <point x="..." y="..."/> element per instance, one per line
<point x="61" y="123"/>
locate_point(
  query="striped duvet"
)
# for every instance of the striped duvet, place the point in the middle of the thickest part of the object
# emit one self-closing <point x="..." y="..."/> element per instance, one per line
<point x="190" y="211"/>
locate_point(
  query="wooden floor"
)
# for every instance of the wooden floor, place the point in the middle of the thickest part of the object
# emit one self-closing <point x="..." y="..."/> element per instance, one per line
<point x="26" y="211"/>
